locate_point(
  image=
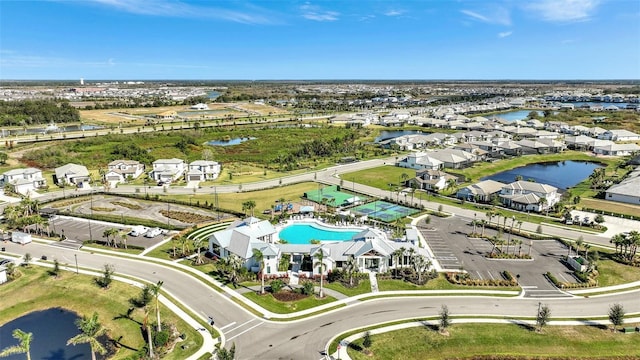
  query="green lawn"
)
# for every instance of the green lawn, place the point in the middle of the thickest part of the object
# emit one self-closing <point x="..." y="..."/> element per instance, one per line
<point x="614" y="273"/>
<point x="493" y="341"/>
<point x="364" y="286"/>
<point x="263" y="198"/>
<point x="37" y="290"/>
<point x="268" y="302"/>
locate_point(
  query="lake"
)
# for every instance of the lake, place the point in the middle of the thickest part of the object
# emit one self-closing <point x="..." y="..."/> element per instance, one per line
<point x="51" y="329"/>
<point x="515" y="115"/>
<point x="386" y="134"/>
<point x="561" y="174"/>
<point x="229" y="142"/>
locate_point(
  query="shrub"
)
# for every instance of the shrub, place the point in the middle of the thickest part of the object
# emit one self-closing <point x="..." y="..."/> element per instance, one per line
<point x="307" y="288"/>
<point x="161" y="338"/>
<point x="276" y="286"/>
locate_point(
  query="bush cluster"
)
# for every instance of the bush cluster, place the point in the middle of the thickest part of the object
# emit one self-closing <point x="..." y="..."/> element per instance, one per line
<point x="465" y="279"/>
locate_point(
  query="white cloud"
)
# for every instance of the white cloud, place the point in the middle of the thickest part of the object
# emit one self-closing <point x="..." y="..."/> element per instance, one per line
<point x="312" y="12"/>
<point x="504" y="34"/>
<point x="179" y="9"/>
<point x="564" y="10"/>
<point x="498" y="15"/>
<point x="394" y="13"/>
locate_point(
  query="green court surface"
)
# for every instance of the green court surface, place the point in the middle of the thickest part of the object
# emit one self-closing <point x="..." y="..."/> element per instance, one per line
<point x="334" y="197"/>
<point x="384" y="211"/>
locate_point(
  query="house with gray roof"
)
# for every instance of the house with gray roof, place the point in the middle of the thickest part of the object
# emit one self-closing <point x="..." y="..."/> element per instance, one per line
<point x="483" y="191"/>
<point x="617" y="149"/>
<point x="527" y="196"/>
<point x="420" y="161"/>
<point x="627" y="190"/>
<point x="203" y="170"/>
<point x="73" y="174"/>
<point x="121" y="170"/>
<point x="23" y="181"/>
<point x="619" y="135"/>
<point x="168" y="170"/>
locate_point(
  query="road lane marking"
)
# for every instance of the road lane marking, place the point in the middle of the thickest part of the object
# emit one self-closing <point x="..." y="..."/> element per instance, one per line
<point x="249" y="329"/>
<point x="241" y="325"/>
<point x="226" y="326"/>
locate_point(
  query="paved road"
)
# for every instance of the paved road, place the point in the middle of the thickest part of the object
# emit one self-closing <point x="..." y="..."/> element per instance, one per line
<point x="257" y="338"/>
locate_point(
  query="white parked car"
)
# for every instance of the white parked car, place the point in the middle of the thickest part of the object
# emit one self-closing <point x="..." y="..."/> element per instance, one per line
<point x="138" y="230"/>
<point x="153" y="232"/>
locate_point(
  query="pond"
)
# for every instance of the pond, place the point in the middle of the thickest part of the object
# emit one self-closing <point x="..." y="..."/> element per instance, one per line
<point x="51" y="329"/>
<point x="234" y="141"/>
<point x="561" y="174"/>
<point x="516" y="115"/>
<point x="386" y="134"/>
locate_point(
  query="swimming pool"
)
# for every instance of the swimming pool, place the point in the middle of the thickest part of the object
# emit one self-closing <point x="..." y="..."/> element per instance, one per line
<point x="303" y="233"/>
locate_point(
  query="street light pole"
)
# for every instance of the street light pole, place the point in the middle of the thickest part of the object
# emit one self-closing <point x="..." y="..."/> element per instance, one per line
<point x="76" y="256"/>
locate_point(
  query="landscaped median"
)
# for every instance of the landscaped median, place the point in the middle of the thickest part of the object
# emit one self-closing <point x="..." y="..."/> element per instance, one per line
<point x="485" y="337"/>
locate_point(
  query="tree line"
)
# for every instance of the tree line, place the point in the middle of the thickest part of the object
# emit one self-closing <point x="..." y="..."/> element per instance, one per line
<point x="37" y="112"/>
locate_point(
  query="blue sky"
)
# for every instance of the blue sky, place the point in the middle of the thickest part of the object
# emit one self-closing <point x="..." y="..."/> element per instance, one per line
<point x="354" y="39"/>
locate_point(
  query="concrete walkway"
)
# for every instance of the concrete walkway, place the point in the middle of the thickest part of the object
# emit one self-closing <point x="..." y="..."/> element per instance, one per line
<point x="373" y="280"/>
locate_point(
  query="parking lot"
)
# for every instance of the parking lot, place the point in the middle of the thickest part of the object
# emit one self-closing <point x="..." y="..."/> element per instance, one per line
<point x="77" y="230"/>
<point x="447" y="238"/>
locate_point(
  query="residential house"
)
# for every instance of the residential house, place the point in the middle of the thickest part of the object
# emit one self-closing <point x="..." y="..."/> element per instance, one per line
<point x="627" y="190"/>
<point x="73" y="174"/>
<point x="619" y="135"/>
<point x="580" y="142"/>
<point x="617" y="149"/>
<point x="420" y="161"/>
<point x="527" y="196"/>
<point x="24" y="181"/>
<point x="596" y="131"/>
<point x="241" y="237"/>
<point x="454" y="159"/>
<point x="433" y="180"/>
<point x="203" y="170"/>
<point x="483" y="191"/>
<point x="168" y="170"/>
<point x="119" y="171"/>
<point x="509" y="147"/>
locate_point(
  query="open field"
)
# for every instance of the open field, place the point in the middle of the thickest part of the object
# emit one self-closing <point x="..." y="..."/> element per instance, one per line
<point x="263" y="199"/>
<point x="37" y="290"/>
<point x="500" y="340"/>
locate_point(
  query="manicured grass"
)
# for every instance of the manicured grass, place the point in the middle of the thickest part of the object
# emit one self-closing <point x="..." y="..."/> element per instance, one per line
<point x="263" y="198"/>
<point x="611" y="206"/>
<point x="363" y="287"/>
<point x="439" y="283"/>
<point x="268" y="302"/>
<point x="614" y="273"/>
<point x="118" y="249"/>
<point x="379" y="177"/>
<point x="496" y="340"/>
<point x="36" y="290"/>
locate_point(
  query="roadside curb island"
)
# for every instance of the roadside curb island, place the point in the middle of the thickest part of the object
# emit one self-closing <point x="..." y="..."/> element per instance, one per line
<point x="343" y="346"/>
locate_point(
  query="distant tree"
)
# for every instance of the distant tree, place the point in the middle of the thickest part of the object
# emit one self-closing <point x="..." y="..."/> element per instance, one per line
<point x="3" y="158"/>
<point x="55" y="271"/>
<point x="616" y="315"/>
<point x="26" y="259"/>
<point x="542" y="318"/>
<point x="445" y="320"/>
<point x="106" y="279"/>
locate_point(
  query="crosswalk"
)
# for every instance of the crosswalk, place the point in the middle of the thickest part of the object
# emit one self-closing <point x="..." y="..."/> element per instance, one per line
<point x="68" y="244"/>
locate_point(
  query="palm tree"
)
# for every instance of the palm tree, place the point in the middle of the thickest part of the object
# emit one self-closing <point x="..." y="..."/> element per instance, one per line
<point x="351" y="267"/>
<point x="91" y="330"/>
<point x="155" y="290"/>
<point x="319" y="256"/>
<point x="147" y="328"/>
<point x="258" y="256"/>
<point x="234" y="263"/>
<point x="483" y="222"/>
<point x="404" y="177"/>
<point x="123" y="239"/>
<point x="197" y="244"/>
<point x="24" y="338"/>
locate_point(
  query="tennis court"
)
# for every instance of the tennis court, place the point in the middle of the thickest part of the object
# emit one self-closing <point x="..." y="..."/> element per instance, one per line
<point x="383" y="211"/>
<point x="334" y="196"/>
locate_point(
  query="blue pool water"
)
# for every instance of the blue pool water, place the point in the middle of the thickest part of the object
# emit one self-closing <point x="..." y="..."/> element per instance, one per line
<point x="304" y="233"/>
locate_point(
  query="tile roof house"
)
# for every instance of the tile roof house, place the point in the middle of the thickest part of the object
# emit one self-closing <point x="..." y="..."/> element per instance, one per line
<point x="420" y="161"/>
<point x="434" y="180"/>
